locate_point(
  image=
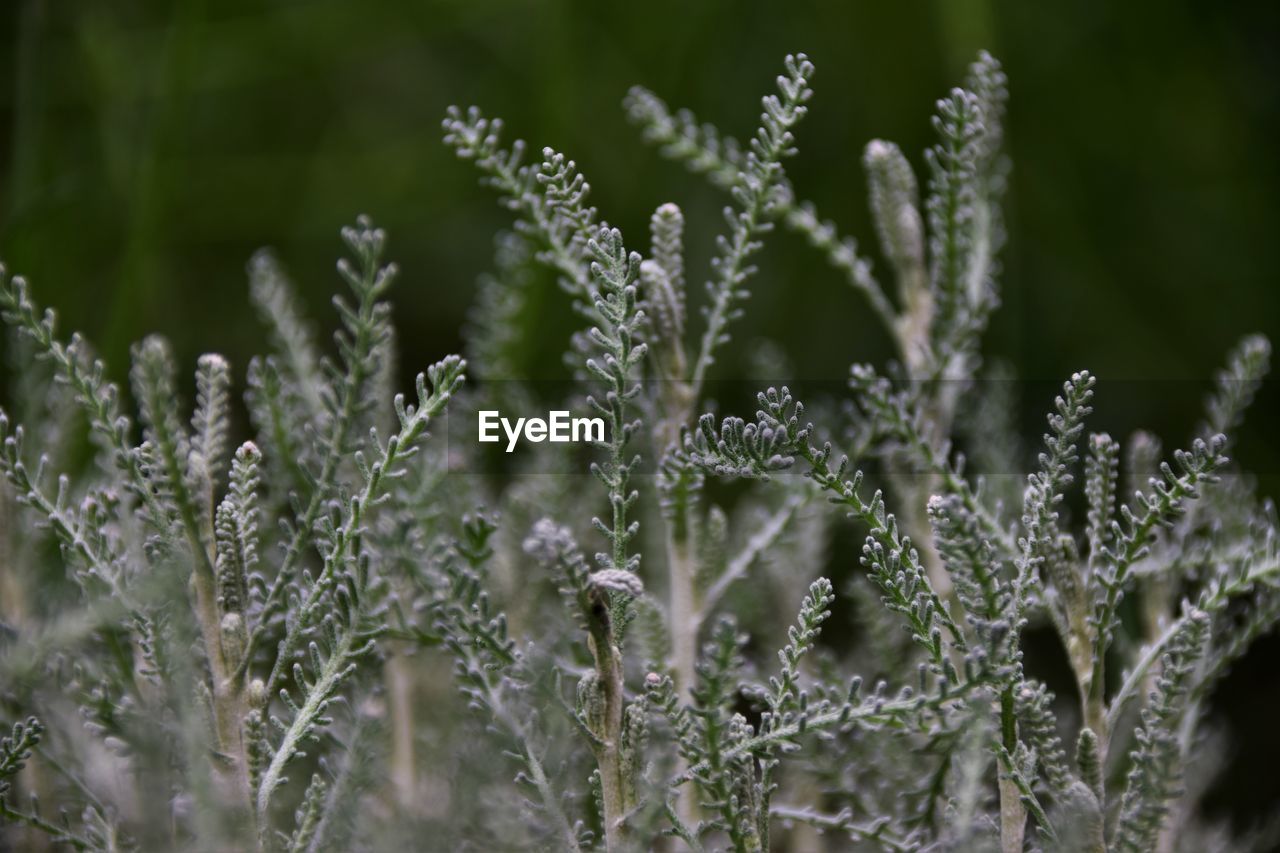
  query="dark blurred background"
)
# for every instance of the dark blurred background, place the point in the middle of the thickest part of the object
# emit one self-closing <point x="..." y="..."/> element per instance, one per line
<point x="148" y="148"/>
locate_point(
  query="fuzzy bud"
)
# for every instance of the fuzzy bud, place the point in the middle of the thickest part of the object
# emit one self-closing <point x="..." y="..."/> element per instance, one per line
<point x="894" y="207"/>
<point x="618" y="580"/>
<point x="1089" y="759"/>
<point x="635" y="741"/>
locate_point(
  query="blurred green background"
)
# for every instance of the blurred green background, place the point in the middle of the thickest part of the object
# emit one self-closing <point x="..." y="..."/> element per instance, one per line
<point x="148" y="148"/>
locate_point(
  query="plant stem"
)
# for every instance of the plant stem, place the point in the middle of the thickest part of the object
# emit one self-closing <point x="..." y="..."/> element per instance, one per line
<point x="608" y="746"/>
<point x="1013" y="814"/>
<point x="684" y="622"/>
<point x="399" y="678"/>
<point x="228" y="702"/>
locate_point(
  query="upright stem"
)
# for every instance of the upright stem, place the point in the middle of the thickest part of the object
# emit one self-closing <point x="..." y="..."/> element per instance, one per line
<point x="228" y="704"/>
<point x="684" y="608"/>
<point x="912" y="335"/>
<point x="1013" y="814"/>
<point x="1093" y="695"/>
<point x="608" y="743"/>
<point x="399" y="680"/>
<point x="1080" y="641"/>
<point x="684" y="646"/>
<point x="915" y="523"/>
<point x="1013" y="817"/>
<point x="685" y="617"/>
<point x="684" y="614"/>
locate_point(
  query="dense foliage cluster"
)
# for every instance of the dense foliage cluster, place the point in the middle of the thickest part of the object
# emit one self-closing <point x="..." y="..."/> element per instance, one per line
<point x="341" y="634"/>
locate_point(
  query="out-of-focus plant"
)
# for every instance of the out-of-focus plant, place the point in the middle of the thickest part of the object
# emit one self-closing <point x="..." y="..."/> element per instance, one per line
<point x="213" y="633"/>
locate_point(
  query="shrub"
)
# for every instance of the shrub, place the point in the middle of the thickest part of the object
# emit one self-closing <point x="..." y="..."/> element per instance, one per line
<point x="239" y="649"/>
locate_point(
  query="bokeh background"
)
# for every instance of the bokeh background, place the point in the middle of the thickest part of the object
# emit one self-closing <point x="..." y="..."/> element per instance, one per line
<point x="148" y="148"/>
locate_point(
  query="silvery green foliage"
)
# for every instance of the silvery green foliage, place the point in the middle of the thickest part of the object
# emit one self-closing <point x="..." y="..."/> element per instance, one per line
<point x="215" y="645"/>
<point x="328" y="639"/>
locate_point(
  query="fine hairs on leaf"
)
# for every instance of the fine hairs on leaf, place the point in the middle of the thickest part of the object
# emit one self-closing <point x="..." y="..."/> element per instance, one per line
<point x="328" y="622"/>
